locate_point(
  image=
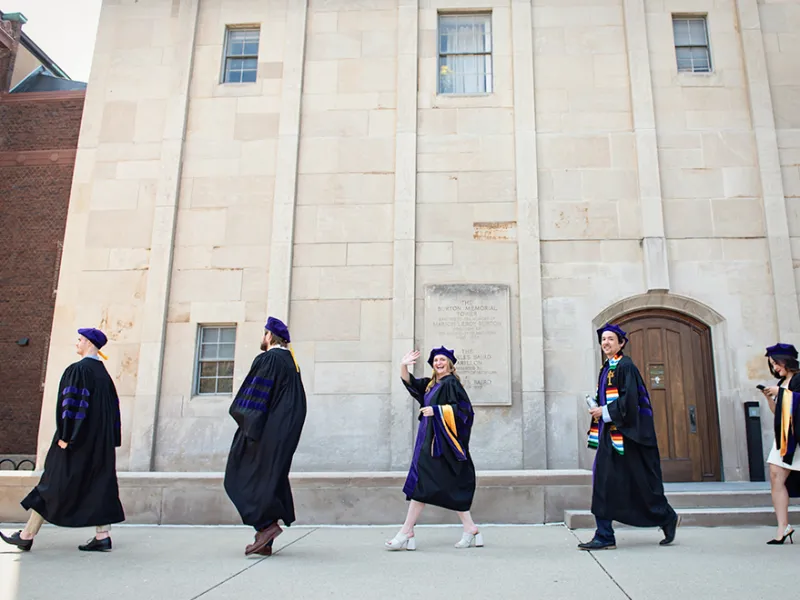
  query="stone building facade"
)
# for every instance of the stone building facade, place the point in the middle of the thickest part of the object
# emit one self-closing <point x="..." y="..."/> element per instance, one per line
<point x="310" y="159"/>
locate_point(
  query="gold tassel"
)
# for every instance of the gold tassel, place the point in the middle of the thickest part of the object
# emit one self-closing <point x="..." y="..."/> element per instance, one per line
<point x="296" y="366"/>
<point x="101" y="355"/>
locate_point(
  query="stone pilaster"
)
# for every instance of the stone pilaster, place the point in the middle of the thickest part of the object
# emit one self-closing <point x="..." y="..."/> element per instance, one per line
<point x="528" y="238"/>
<point x="654" y="245"/>
<point x="775" y="214"/>
<point x="405" y="199"/>
<point x="284" y="202"/>
<point x="151" y="352"/>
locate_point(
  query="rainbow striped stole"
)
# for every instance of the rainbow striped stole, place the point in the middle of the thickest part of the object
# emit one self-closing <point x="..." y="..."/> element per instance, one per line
<point x="616" y="441"/>
<point x="594" y="435"/>
<point x="611" y="395"/>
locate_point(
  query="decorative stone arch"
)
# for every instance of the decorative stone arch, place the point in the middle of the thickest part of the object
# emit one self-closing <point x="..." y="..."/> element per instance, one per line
<point x="731" y="422"/>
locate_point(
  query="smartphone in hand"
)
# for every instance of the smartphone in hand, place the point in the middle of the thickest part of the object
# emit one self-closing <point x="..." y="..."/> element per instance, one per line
<point x="761" y="387"/>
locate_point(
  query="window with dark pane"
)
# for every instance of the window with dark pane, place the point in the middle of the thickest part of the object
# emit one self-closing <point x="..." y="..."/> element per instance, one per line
<point x="215" y="350"/>
<point x="692" y="48"/>
<point x="465" y="53"/>
<point x="241" y="55"/>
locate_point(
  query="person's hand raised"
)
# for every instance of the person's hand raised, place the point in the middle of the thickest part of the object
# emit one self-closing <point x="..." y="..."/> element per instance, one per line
<point x="410" y="358"/>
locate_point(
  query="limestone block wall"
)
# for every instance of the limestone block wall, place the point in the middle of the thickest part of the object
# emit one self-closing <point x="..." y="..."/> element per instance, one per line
<point x="710" y="170"/>
<point x="593" y="180"/>
<point x="589" y="207"/>
<point x="342" y="267"/>
<point x="465" y="178"/>
<point x="121" y="179"/>
<point x="781" y="44"/>
<point x="223" y="228"/>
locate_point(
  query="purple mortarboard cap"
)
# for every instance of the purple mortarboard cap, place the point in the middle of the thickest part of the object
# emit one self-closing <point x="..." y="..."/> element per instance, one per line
<point x="443" y="352"/>
<point x="623" y="337"/>
<point x="278" y="327"/>
<point x="97" y="337"/>
<point x="782" y="350"/>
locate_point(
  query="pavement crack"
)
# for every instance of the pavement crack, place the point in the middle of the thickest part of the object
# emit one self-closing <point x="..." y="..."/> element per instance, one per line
<point x="250" y="566"/>
<point x="599" y="564"/>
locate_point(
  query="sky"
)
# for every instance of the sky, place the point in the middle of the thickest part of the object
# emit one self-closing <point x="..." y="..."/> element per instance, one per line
<point x="64" y="29"/>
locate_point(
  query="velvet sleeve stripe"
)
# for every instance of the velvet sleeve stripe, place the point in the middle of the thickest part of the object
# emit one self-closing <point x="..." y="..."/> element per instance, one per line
<point x="78" y="403"/>
<point x="252" y="391"/>
<point x="259" y="406"/>
<point x="253" y="395"/>
<point x="68" y="414"/>
<point x="71" y="389"/>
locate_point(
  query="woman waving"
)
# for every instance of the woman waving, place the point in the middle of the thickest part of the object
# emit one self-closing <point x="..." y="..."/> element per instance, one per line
<point x="441" y="470"/>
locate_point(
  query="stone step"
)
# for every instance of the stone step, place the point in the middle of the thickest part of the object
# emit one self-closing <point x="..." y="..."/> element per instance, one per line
<point x="720" y="499"/>
<point x="699" y="517"/>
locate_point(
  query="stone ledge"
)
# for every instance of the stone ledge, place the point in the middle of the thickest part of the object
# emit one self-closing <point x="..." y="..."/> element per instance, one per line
<point x="358" y="498"/>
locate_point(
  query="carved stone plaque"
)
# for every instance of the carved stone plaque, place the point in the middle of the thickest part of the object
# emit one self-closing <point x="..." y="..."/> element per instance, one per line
<point x="473" y="319"/>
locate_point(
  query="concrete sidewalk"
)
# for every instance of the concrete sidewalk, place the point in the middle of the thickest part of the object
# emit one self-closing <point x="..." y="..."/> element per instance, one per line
<point x="187" y="563"/>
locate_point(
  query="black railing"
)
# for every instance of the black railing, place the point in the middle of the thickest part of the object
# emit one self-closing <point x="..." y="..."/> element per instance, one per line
<point x="22" y="464"/>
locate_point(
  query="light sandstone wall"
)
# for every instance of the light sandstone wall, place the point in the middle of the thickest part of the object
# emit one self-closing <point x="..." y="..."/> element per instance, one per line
<point x="781" y="40"/>
<point x="778" y="21"/>
<point x="223" y="228"/>
<point x="590" y="214"/>
<point x="341" y="289"/>
<point x="121" y="176"/>
<point x="466" y="175"/>
<point x="712" y="200"/>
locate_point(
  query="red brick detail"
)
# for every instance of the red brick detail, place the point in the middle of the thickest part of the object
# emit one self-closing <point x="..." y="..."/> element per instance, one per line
<point x="40" y="125"/>
<point x="33" y="213"/>
<point x="31" y="158"/>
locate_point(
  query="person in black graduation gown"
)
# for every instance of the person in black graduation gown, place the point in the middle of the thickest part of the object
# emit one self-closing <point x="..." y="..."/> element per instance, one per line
<point x="270" y="409"/>
<point x="441" y="471"/>
<point x="78" y="487"/>
<point x="784" y="402"/>
<point x="627" y="471"/>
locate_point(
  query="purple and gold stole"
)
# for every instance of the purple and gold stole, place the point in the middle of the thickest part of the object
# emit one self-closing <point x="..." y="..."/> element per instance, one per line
<point x="444" y="428"/>
<point x="606" y="394"/>
<point x="787" y="441"/>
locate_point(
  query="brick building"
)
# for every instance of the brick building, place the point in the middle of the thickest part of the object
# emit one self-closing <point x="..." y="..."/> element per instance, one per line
<point x="40" y="117"/>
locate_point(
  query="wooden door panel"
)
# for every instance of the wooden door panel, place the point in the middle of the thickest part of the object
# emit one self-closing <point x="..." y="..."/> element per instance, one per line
<point x="675" y="351"/>
<point x="679" y="433"/>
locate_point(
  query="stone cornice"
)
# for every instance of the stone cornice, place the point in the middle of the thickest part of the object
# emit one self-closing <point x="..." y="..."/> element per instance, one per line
<point x="42" y="96"/>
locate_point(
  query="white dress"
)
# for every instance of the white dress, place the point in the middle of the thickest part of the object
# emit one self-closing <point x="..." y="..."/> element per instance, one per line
<point x="775" y="457"/>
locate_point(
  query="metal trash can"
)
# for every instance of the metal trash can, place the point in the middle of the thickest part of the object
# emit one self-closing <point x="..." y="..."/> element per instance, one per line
<point x="755" y="449"/>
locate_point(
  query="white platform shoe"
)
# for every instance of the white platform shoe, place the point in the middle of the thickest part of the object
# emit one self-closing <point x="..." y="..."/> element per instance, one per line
<point x="401" y="541"/>
<point x="470" y="540"/>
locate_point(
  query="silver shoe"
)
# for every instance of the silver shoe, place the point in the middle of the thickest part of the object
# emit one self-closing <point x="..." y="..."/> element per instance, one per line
<point x="470" y="540"/>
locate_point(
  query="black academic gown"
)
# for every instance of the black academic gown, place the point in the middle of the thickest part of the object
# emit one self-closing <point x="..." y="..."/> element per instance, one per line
<point x="793" y="480"/>
<point x="79" y="485"/>
<point x="270" y="409"/>
<point x="442" y="472"/>
<point x="628" y="488"/>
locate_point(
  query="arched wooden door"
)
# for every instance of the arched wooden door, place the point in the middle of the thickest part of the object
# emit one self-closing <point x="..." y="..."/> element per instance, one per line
<point x="673" y="353"/>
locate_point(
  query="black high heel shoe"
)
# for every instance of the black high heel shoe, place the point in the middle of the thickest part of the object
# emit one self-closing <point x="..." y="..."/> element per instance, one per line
<point x="786" y="534"/>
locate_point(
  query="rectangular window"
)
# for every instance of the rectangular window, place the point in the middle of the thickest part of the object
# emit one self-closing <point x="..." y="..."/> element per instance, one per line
<point x="214" y="368"/>
<point x="241" y="55"/>
<point x="691" y="44"/>
<point x="465" y="53"/>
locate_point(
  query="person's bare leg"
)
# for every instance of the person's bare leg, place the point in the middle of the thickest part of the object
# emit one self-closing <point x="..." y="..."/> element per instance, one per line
<point x="780" y="497"/>
<point x="414" y="511"/>
<point x="32" y="527"/>
<point x="102" y="532"/>
<point x="467" y="522"/>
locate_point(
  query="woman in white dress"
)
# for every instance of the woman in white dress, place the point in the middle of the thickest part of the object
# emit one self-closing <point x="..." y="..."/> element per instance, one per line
<point x="784" y="465"/>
